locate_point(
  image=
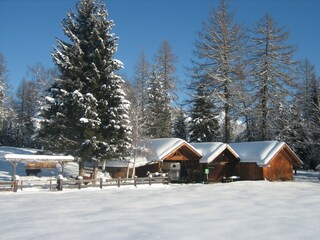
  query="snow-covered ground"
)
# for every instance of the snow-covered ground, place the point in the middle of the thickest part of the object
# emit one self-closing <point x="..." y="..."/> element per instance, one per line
<point x="238" y="210"/>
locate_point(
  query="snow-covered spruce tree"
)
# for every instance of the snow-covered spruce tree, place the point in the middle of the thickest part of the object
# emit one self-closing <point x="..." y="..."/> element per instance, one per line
<point x="295" y="133"/>
<point x="180" y="126"/>
<point x="158" y="110"/>
<point x="165" y="61"/>
<point x="87" y="111"/>
<point x="219" y="56"/>
<point x="273" y="74"/>
<point x="204" y="126"/>
<point x="308" y="104"/>
<point x="314" y="123"/>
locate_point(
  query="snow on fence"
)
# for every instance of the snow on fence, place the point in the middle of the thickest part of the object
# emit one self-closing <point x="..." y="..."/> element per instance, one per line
<point x="81" y="183"/>
<point x="7" y="186"/>
<point x="60" y="184"/>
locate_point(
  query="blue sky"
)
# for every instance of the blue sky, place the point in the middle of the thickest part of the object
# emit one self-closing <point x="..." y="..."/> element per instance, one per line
<point x="29" y="28"/>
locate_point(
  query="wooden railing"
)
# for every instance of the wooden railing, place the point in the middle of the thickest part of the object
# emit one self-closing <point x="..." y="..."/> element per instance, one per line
<point x="6" y="186"/>
<point x="113" y="182"/>
<point x="54" y="184"/>
<point x="9" y="185"/>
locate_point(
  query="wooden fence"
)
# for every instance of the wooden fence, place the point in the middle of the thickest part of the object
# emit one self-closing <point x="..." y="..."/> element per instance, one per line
<point x="54" y="184"/>
<point x="7" y="186"/>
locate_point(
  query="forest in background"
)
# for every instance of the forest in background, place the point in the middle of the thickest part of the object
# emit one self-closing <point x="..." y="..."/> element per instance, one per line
<point x="242" y="85"/>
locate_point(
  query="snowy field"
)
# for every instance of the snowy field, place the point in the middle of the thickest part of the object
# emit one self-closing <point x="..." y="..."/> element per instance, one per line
<point x="240" y="210"/>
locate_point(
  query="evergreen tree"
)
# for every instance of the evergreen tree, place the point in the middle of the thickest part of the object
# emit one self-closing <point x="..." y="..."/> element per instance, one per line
<point x="308" y="104"/>
<point x="204" y="126"/>
<point x="273" y="75"/>
<point x="9" y="133"/>
<point x="159" y="112"/>
<point x="87" y="111"/>
<point x="180" y="127"/>
<point x="165" y="61"/>
<point x="219" y="57"/>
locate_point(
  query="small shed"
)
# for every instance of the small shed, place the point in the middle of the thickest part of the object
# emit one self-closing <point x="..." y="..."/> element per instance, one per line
<point x="219" y="158"/>
<point x="163" y="155"/>
<point x="271" y="160"/>
<point x="38" y="161"/>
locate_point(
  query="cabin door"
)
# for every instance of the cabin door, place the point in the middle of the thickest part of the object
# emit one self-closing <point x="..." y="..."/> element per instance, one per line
<point x="216" y="173"/>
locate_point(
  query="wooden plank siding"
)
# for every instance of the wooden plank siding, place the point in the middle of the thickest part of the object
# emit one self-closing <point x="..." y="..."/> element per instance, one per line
<point x="280" y="168"/>
<point x="249" y="171"/>
<point x="152" y="168"/>
<point x="39" y="165"/>
<point x="116" y="172"/>
<point x="224" y="165"/>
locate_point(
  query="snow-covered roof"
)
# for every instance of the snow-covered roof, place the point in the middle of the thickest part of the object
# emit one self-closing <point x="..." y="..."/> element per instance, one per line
<point x="260" y="152"/>
<point x="211" y="150"/>
<point x="152" y="151"/>
<point x="160" y="148"/>
<point x="37" y="158"/>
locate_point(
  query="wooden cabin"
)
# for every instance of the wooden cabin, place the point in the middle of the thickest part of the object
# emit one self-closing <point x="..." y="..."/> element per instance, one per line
<point x="219" y="159"/>
<point x="163" y="155"/>
<point x="185" y="162"/>
<point x="270" y="160"/>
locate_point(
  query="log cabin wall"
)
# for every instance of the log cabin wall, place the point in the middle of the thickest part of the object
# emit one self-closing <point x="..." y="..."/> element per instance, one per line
<point x="279" y="168"/>
<point x="140" y="171"/>
<point x="219" y="170"/>
<point x="249" y="171"/>
<point x="191" y="170"/>
<point x="152" y="168"/>
<point x="223" y="166"/>
<point x="118" y="172"/>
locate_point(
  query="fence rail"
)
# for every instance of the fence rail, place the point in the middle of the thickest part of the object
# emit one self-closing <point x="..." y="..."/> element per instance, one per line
<point x="113" y="182"/>
<point x="6" y="186"/>
<point x="9" y="185"/>
<point x="60" y="184"/>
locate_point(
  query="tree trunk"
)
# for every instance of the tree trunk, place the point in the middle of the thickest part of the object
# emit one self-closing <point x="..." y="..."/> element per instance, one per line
<point x="95" y="171"/>
<point x="81" y="168"/>
<point x="104" y="165"/>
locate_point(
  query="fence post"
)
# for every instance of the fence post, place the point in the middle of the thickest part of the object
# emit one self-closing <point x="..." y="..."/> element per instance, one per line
<point x="50" y="184"/>
<point x="149" y="180"/>
<point x="15" y="183"/>
<point x="60" y="182"/>
<point x="21" y="184"/>
<point x="135" y="182"/>
<point x="119" y="182"/>
<point x="79" y="178"/>
<point x="101" y="182"/>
